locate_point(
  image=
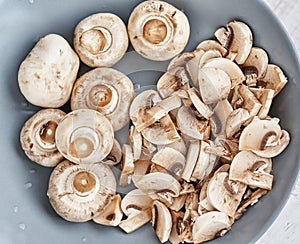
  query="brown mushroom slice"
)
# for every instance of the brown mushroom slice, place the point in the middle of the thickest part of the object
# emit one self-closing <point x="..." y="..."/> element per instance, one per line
<point x="212" y="45"/>
<point x="225" y="195"/>
<point x="237" y="39"/>
<point x="37" y="137"/>
<point x="127" y="165"/>
<point x="250" y="102"/>
<point x="192" y="65"/>
<point x="136" y="221"/>
<point x="112" y="213"/>
<point x="177" y="218"/>
<point x="265" y="97"/>
<point x="115" y="155"/>
<point x="210" y="226"/>
<point x="180" y="60"/>
<point x="84" y="136"/>
<point x="172" y="81"/>
<point x="101" y="39"/>
<point x="107" y="91"/>
<point x="135" y="202"/>
<point x="191" y="160"/>
<point x="46" y="76"/>
<point x="214" y="84"/>
<point x="230" y="68"/>
<point x="248" y="168"/>
<point x="170" y="159"/>
<point x="158" y="30"/>
<point x="208" y="55"/>
<point x="189" y="124"/>
<point x="178" y="202"/>
<point x="161" y="221"/>
<point x="79" y="192"/>
<point x="273" y="79"/>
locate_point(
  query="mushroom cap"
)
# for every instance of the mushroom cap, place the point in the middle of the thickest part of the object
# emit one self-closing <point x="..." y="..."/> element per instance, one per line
<point x="37" y="137"/>
<point x="79" y="192"/>
<point x="101" y="39"/>
<point x="107" y="91"/>
<point x="84" y="136"/>
<point x="47" y="74"/>
<point x="158" y="30"/>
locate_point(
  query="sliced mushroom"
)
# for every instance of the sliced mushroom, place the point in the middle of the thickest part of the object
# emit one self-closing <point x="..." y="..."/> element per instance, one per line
<point x="47" y="74"/>
<point x="208" y="55"/>
<point x="158" y="30"/>
<point x="212" y="45"/>
<point x="210" y="226"/>
<point x="265" y="97"/>
<point x="250" y="102"/>
<point x="180" y="60"/>
<point x="115" y="155"/>
<point x="178" y="145"/>
<point x="148" y="149"/>
<point x="177" y="218"/>
<point x="101" y="40"/>
<point x="112" y="213"/>
<point x="84" y="136"/>
<point x="141" y="168"/>
<point x="192" y="65"/>
<point x="37" y="137"/>
<point x="251" y="170"/>
<point x="127" y="165"/>
<point x="191" y="160"/>
<point x="161" y="221"/>
<point x="79" y="192"/>
<point x="136" y="142"/>
<point x="273" y="79"/>
<point x="214" y="84"/>
<point x="107" y="91"/>
<point x="178" y="202"/>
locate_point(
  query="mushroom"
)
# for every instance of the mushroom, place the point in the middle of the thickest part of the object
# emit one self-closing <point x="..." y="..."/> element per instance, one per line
<point x="100" y="40"/>
<point x="237" y="38"/>
<point x="191" y="160"/>
<point x="273" y="79"/>
<point x="107" y="91"/>
<point x="210" y="226"/>
<point x="161" y="221"/>
<point x="214" y="84"/>
<point x="115" y="155"/>
<point x="84" y="136"/>
<point x="250" y="102"/>
<point x="212" y="45"/>
<point x="136" y="141"/>
<point x="192" y="65"/>
<point x="47" y="74"/>
<point x="177" y="217"/>
<point x="265" y="97"/>
<point x="158" y="30"/>
<point x="178" y="145"/>
<point x="251" y="170"/>
<point x="178" y="202"/>
<point x="37" y="137"/>
<point x="127" y="165"/>
<point x="112" y="213"/>
<point x="148" y="149"/>
<point x="208" y="55"/>
<point x="141" y="168"/>
<point x="79" y="192"/>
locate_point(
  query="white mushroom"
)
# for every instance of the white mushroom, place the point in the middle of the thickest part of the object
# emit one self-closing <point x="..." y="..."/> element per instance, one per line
<point x="212" y="45"/>
<point x="136" y="141"/>
<point x="192" y="65"/>
<point x="47" y="74"/>
<point x="208" y="55"/>
<point x="115" y="155"/>
<point x="191" y="160"/>
<point x="158" y="30"/>
<point x="210" y="226"/>
<point x="249" y="100"/>
<point x="248" y="168"/>
<point x="265" y="97"/>
<point x="107" y="91"/>
<point x="141" y="168"/>
<point x="79" y="192"/>
<point x="127" y="165"/>
<point x="112" y="213"/>
<point x="84" y="136"/>
<point x="101" y="40"/>
<point x="37" y="137"/>
<point x="177" y="217"/>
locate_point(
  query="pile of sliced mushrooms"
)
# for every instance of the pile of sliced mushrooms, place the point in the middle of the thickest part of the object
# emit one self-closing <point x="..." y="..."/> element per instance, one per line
<point x="200" y="146"/>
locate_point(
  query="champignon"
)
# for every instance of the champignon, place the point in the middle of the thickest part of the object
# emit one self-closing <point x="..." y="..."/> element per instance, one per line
<point x="192" y="65"/>
<point x="100" y="40"/>
<point x="127" y="165"/>
<point x="212" y="45"/>
<point x="115" y="155"/>
<point x="79" y="192"/>
<point x="208" y="55"/>
<point x="191" y="160"/>
<point x="177" y="218"/>
<point x="47" y="74"/>
<point x="265" y="97"/>
<point x="37" y="137"/>
<point x="141" y="168"/>
<point x="84" y="136"/>
<point x="249" y="100"/>
<point x="178" y="145"/>
<point x="136" y="141"/>
<point x="180" y="60"/>
<point x="107" y="91"/>
<point x="158" y="30"/>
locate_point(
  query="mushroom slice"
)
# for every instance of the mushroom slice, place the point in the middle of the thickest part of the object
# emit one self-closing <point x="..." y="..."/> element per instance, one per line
<point x="248" y="168"/>
<point x="148" y="149"/>
<point x="141" y="168"/>
<point x="189" y="124"/>
<point x="161" y="221"/>
<point x="214" y="84"/>
<point x="192" y="66"/>
<point x="178" y="202"/>
<point x="191" y="160"/>
<point x="101" y="40"/>
<point x="212" y="45"/>
<point x="79" y="192"/>
<point x="84" y="136"/>
<point x="136" y="221"/>
<point x="37" y="137"/>
<point x="223" y="194"/>
<point x="265" y="97"/>
<point x="115" y="155"/>
<point x="177" y="218"/>
<point x="273" y="79"/>
<point x="180" y="60"/>
<point x="107" y="91"/>
<point x="210" y="226"/>
<point x="230" y="68"/>
<point x="250" y="102"/>
<point x="159" y="182"/>
<point x="178" y="145"/>
<point x="172" y="81"/>
<point x="237" y="39"/>
<point x="136" y="142"/>
<point x="47" y="74"/>
<point x="135" y="202"/>
<point x="112" y="213"/>
<point x="127" y="165"/>
<point x="158" y="30"/>
<point x="208" y="55"/>
<point x="170" y="159"/>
